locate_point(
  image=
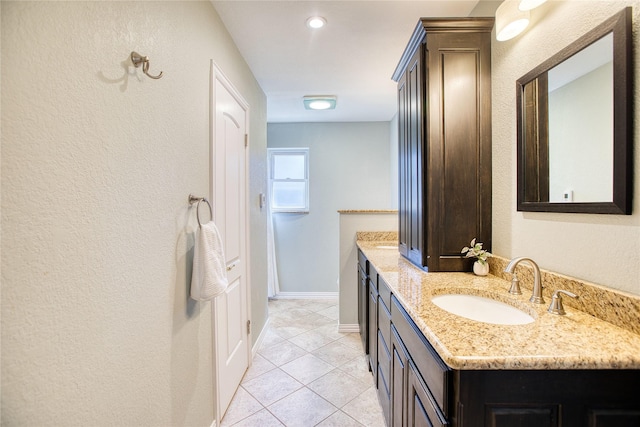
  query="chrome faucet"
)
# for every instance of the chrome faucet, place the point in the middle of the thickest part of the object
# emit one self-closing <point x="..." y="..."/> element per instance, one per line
<point x="537" y="284"/>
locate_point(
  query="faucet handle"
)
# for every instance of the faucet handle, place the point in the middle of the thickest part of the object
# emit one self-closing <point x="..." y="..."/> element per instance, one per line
<point x="515" y="285"/>
<point x="556" y="301"/>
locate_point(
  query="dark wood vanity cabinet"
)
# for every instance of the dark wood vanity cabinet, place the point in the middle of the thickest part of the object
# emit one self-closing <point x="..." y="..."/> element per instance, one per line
<point x="426" y="392"/>
<point x="363" y="299"/>
<point x="372" y="309"/>
<point x="444" y="110"/>
<point x="547" y="398"/>
<point x="416" y="388"/>
<point x="421" y="381"/>
<point x="384" y="348"/>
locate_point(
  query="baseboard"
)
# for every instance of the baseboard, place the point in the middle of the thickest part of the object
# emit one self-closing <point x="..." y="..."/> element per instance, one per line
<point x="306" y="295"/>
<point x="348" y="328"/>
<point x="263" y="333"/>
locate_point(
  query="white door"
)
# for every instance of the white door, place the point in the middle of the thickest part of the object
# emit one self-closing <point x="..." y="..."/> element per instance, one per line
<point x="229" y="183"/>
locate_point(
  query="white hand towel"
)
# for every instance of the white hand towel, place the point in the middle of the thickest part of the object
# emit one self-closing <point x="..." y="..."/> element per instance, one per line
<point x="209" y="278"/>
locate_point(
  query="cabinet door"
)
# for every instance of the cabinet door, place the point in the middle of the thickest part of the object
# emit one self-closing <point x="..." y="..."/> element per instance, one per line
<point x="522" y="416"/>
<point x="421" y="408"/>
<point x="614" y="418"/>
<point x="399" y="361"/>
<point x="411" y="207"/>
<point x="548" y="398"/>
<point x="384" y="354"/>
<point x="363" y="315"/>
<point x="459" y="146"/>
<point x="373" y="330"/>
<point x="403" y="174"/>
<point x="384" y="390"/>
<point x="436" y="374"/>
<point x="418" y="211"/>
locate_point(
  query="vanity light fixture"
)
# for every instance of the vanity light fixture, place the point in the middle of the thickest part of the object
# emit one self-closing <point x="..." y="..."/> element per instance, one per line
<point x="319" y="102"/>
<point x="316" y="22"/>
<point x="510" y="20"/>
<point x="530" y="4"/>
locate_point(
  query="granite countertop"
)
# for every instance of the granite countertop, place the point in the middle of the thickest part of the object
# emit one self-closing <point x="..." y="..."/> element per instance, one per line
<point x="576" y="340"/>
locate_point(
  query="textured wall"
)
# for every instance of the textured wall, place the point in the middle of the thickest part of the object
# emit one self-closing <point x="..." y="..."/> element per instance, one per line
<point x="97" y="236"/>
<point x="394" y="148"/>
<point x="349" y="169"/>
<point x="350" y="224"/>
<point x="599" y="248"/>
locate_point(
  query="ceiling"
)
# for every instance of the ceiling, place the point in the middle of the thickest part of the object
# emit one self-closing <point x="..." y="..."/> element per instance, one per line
<point x="352" y="57"/>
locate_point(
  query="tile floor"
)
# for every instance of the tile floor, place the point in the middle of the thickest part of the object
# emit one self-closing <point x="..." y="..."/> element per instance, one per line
<point x="306" y="373"/>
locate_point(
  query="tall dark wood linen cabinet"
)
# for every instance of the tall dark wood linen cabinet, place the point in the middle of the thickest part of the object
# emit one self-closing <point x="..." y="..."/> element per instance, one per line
<point x="444" y="112"/>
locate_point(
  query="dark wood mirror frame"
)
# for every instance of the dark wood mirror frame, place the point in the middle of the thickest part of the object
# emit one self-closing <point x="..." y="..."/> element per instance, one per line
<point x="533" y="166"/>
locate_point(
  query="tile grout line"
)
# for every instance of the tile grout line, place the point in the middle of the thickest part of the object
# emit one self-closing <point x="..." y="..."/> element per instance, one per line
<point x="343" y="341"/>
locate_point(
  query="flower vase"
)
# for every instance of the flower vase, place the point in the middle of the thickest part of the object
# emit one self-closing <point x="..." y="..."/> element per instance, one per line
<point x="480" y="269"/>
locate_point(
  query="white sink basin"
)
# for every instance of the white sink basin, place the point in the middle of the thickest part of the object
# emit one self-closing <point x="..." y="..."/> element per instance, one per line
<point x="482" y="309"/>
<point x="386" y="247"/>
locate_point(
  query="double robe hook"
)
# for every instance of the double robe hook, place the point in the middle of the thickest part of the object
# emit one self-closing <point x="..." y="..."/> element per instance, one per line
<point x="138" y="59"/>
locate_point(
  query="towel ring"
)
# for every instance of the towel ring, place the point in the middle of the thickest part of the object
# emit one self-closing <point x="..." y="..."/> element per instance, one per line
<point x="193" y="199"/>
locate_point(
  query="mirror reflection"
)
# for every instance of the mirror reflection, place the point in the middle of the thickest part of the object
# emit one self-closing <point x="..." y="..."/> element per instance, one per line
<point x="580" y="108"/>
<point x="573" y="137"/>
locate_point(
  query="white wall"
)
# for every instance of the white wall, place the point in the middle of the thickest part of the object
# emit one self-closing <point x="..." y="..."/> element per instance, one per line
<point x="350" y="224"/>
<point x="583" y="160"/>
<point x="599" y="248"/>
<point x="97" y="235"/>
<point x="394" y="147"/>
<point x="349" y="169"/>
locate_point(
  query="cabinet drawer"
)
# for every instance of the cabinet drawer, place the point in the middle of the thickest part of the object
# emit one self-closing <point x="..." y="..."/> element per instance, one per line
<point x="384" y="390"/>
<point x="363" y="312"/>
<point x="384" y="321"/>
<point x="384" y="362"/>
<point x="385" y="292"/>
<point x="373" y="277"/>
<point x="363" y="277"/>
<point x="363" y="262"/>
<point x="373" y="330"/>
<point x="399" y="368"/>
<point x="435" y="373"/>
<point x="421" y="409"/>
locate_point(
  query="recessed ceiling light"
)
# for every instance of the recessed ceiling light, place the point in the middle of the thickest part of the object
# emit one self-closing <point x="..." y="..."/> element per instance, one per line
<point x="319" y="102"/>
<point x="316" y="22"/>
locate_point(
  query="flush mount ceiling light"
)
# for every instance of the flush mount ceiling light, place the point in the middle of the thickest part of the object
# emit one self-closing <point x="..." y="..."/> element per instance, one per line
<point x="510" y="20"/>
<point x="316" y="22"/>
<point x="530" y="4"/>
<point x="319" y="102"/>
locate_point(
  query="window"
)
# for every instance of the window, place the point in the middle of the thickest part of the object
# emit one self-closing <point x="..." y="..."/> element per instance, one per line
<point x="289" y="179"/>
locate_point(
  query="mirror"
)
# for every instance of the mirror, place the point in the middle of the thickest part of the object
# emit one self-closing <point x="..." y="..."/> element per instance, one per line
<point x="575" y="132"/>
